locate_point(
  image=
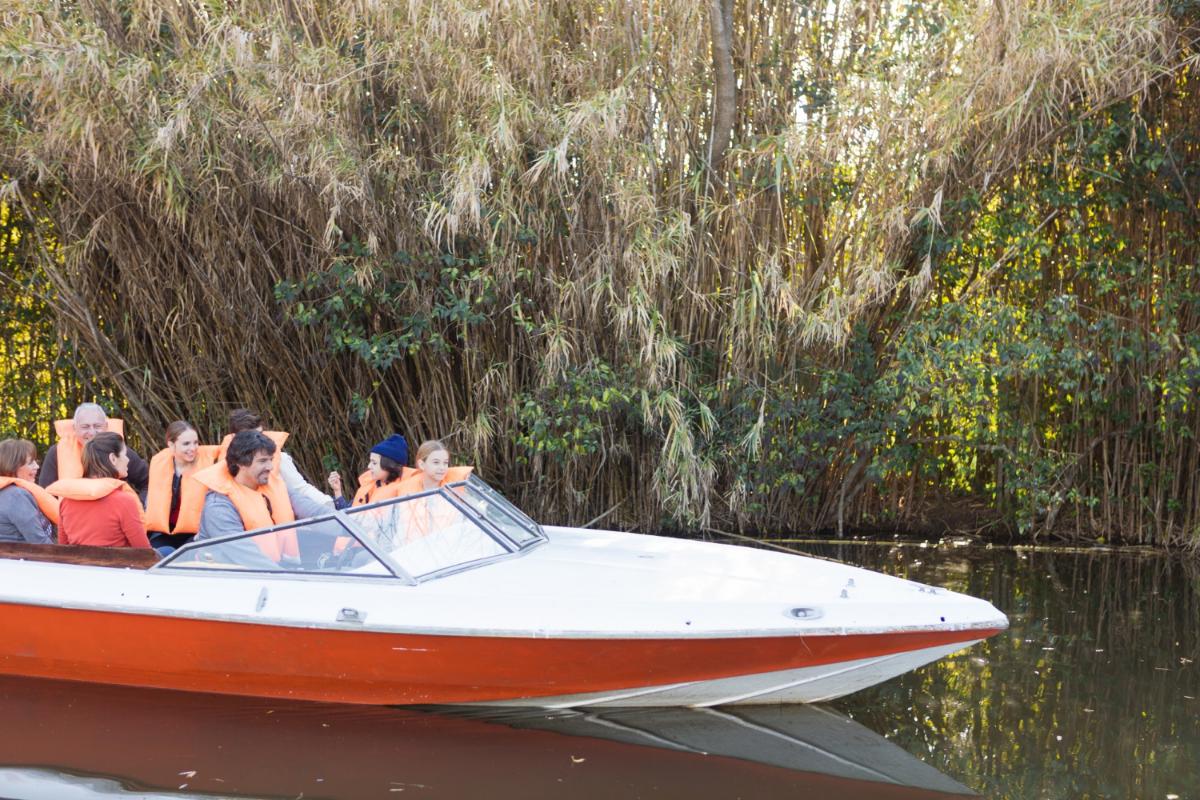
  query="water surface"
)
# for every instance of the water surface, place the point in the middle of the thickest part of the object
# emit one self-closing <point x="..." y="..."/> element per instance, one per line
<point x="1094" y="691"/>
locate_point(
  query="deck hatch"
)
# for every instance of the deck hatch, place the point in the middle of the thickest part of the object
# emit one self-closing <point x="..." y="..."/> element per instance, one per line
<point x="805" y="613"/>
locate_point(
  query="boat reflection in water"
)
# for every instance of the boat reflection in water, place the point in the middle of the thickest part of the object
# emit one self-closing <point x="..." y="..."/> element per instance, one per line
<point x="69" y="740"/>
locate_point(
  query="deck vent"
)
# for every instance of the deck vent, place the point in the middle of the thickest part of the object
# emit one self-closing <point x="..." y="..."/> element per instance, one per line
<point x="805" y="613"/>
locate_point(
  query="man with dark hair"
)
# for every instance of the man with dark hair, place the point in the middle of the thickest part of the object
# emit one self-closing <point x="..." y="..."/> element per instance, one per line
<point x="245" y="493"/>
<point x="243" y="419"/>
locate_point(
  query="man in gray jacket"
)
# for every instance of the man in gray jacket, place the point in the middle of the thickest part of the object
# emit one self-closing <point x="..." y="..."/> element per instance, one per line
<point x="243" y="419"/>
<point x="249" y="461"/>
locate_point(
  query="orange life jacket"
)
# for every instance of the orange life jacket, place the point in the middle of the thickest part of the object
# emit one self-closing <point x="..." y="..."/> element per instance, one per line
<point x="47" y="503"/>
<point x="251" y="505"/>
<point x="70" y="449"/>
<point x="415" y="483"/>
<point x="278" y="437"/>
<point x="92" y="489"/>
<point x="370" y="491"/>
<point x="191" y="501"/>
<point x="421" y="520"/>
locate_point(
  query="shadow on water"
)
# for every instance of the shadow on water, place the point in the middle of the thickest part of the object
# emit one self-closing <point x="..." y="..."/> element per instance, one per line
<point x="1092" y="693"/>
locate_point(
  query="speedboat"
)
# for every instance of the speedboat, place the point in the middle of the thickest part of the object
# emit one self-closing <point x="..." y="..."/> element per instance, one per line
<point x="454" y="596"/>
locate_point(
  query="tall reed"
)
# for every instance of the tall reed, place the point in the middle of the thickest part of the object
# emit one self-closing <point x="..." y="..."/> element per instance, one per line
<point x="498" y="221"/>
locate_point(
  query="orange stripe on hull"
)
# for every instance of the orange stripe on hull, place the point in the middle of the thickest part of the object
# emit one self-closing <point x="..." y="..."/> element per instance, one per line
<point x="357" y="666"/>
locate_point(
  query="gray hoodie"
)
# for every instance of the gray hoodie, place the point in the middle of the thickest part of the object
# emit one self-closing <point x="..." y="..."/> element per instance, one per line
<point x="20" y="518"/>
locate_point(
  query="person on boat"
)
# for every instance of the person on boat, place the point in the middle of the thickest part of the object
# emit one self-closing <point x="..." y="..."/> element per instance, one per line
<point x="424" y="516"/>
<point x="64" y="459"/>
<point x="428" y="530"/>
<point x="245" y="492"/>
<point x="385" y="469"/>
<point x="433" y="469"/>
<point x="243" y="419"/>
<point x="174" y="500"/>
<point x="101" y="508"/>
<point x="28" y="513"/>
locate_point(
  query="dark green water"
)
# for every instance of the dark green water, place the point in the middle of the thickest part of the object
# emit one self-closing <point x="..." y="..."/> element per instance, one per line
<point x="1092" y="693"/>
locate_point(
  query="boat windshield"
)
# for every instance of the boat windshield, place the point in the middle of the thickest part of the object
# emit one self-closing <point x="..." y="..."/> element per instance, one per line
<point x="413" y="538"/>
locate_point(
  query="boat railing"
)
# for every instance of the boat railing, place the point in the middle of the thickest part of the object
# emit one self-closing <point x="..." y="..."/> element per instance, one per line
<point x="414" y="538"/>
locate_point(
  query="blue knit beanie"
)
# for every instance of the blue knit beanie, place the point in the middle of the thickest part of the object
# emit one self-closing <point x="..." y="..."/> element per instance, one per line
<point x="393" y="447"/>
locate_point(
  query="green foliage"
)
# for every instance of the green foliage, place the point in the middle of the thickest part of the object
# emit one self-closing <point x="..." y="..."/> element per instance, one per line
<point x="384" y="310"/>
<point x="1065" y="333"/>
<point x="927" y="264"/>
<point x="39" y="379"/>
<point x="786" y="439"/>
<point x="569" y="418"/>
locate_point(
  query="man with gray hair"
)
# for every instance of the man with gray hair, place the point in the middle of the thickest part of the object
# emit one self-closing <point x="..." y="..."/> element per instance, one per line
<point x="65" y="458"/>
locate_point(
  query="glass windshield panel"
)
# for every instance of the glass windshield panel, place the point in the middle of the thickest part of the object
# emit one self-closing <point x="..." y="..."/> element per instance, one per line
<point x="425" y="533"/>
<point x="492" y="506"/>
<point x="502" y="502"/>
<point x="323" y="546"/>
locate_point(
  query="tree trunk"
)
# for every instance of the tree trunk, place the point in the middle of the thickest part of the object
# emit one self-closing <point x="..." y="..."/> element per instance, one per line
<point x="725" y="85"/>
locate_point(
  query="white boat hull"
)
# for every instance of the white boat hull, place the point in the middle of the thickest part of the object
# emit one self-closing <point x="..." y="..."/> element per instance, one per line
<point x="588" y="618"/>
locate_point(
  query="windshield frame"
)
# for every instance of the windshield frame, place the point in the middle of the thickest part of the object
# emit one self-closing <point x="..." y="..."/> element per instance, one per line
<point x="508" y="508"/>
<point x="510" y="547"/>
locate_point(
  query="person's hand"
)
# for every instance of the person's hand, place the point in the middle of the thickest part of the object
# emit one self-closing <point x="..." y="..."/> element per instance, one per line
<point x="335" y="483"/>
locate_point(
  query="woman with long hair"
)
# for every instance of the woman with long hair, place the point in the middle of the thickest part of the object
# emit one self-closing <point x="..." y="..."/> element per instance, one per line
<point x="174" y="499"/>
<point x="100" y="508"/>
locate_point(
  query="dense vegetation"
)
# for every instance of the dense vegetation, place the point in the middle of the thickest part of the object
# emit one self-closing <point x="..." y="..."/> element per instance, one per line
<point x="772" y="266"/>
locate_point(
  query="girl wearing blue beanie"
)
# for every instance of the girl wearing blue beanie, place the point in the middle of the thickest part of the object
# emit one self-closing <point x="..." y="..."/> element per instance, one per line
<point x="386" y="467"/>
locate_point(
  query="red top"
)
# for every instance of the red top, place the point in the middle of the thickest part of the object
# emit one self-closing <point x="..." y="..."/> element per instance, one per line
<point x="114" y="520"/>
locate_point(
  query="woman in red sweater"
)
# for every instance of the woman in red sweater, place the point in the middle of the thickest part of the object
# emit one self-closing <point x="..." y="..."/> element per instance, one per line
<point x="100" y="508"/>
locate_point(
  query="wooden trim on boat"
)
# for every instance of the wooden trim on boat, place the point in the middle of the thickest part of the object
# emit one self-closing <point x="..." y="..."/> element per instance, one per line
<point x="133" y="558"/>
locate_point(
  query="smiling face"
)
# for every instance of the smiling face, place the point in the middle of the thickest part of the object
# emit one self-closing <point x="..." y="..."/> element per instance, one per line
<point x="259" y="471"/>
<point x="434" y="466"/>
<point x="28" y="471"/>
<point x="185" y="448"/>
<point x="88" y="422"/>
